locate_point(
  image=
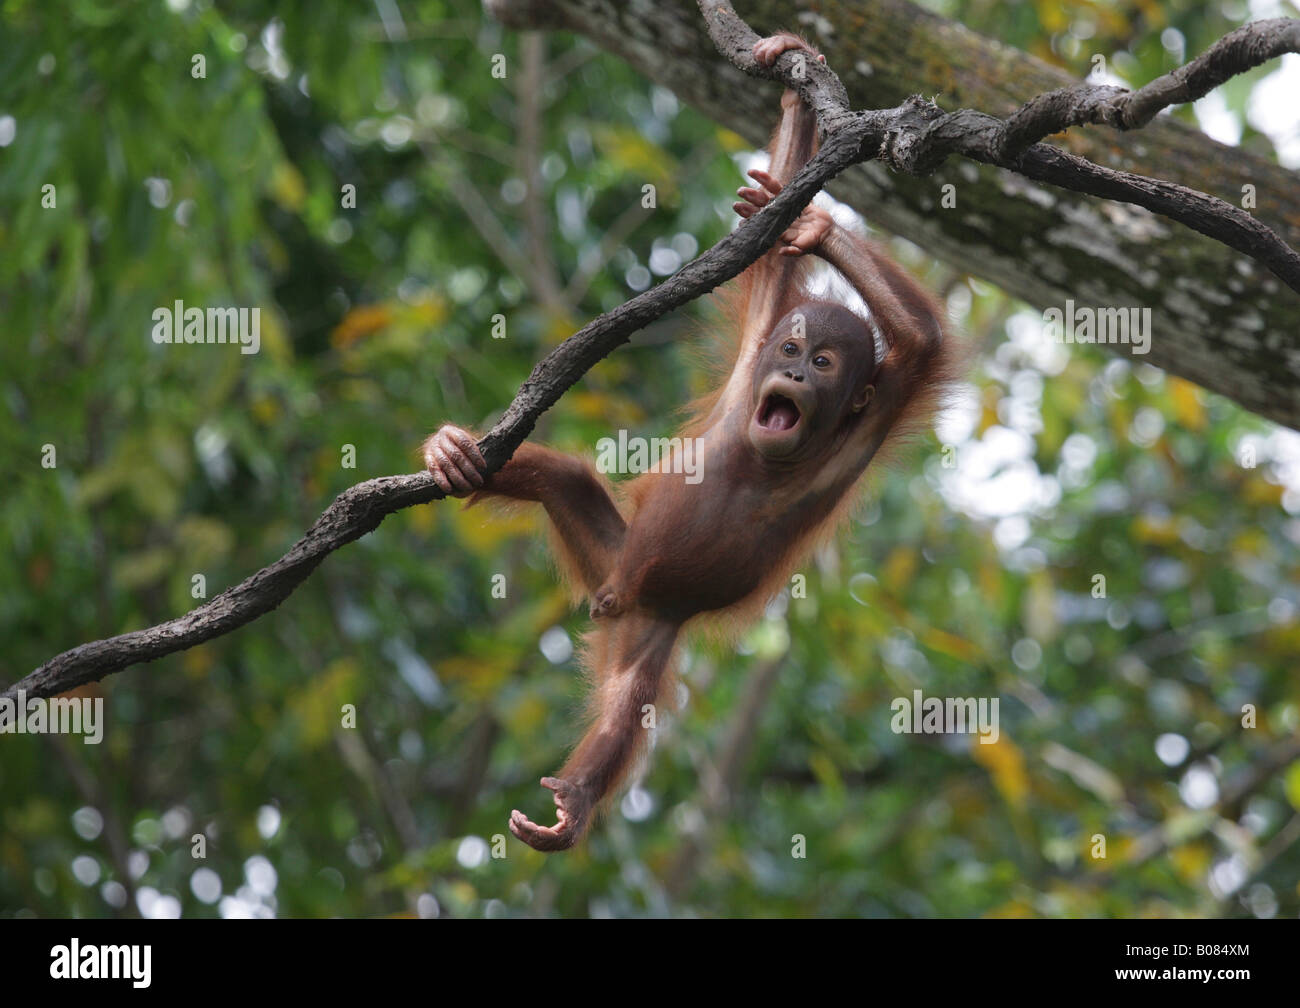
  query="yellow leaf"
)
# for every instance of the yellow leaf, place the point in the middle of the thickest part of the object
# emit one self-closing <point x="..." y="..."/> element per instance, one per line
<point x="202" y="539"/>
<point x="827" y="774"/>
<point x="1152" y="529"/>
<point x="423" y="519"/>
<point x="265" y="409"/>
<point x="1191" y="861"/>
<point x="478" y="676"/>
<point x="1039" y="608"/>
<point x="197" y="661"/>
<point x="1154" y="13"/>
<point x="428" y="310"/>
<point x="1119" y="849"/>
<point x="731" y="142"/>
<point x="632" y="155"/>
<point x="318" y="711"/>
<point x="99" y="484"/>
<point x="528" y="716"/>
<point x="1292" y="785"/>
<point x="557" y="329"/>
<point x="1250" y="543"/>
<point x="899" y="568"/>
<point x="1188" y="407"/>
<point x="990" y="579"/>
<point x="484" y="529"/>
<point x="1006" y="765"/>
<point x="1262" y="493"/>
<point x="359" y="322"/>
<point x="462" y="895"/>
<point x="1013" y="908"/>
<point x="275" y="338"/>
<point x="1052" y="17"/>
<point x="143" y="568"/>
<point x="988" y="418"/>
<point x="286" y="186"/>
<point x="588" y="405"/>
<point x="949" y="644"/>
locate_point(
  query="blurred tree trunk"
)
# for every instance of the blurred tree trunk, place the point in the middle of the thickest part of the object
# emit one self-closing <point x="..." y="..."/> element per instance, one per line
<point x="1218" y="318"/>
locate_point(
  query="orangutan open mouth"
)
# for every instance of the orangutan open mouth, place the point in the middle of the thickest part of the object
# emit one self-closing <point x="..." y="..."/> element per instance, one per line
<point x="777" y="413"/>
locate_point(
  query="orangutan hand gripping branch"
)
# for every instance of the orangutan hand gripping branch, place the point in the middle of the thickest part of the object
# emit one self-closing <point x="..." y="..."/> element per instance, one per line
<point x="782" y="443"/>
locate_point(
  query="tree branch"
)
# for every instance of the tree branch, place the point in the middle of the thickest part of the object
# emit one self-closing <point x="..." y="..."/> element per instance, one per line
<point x="918" y="136"/>
<point x="914" y="137"/>
<point x="1240" y="50"/>
<point x="361" y="508"/>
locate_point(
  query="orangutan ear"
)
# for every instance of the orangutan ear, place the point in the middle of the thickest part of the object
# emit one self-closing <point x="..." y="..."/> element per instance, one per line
<point x="863" y="398"/>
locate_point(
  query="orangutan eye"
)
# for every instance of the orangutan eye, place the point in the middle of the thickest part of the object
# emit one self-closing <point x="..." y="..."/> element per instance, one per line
<point x="822" y="361"/>
<point x="789" y="349"/>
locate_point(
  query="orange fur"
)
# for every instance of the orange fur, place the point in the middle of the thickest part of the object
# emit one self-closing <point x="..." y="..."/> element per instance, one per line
<point x="663" y="553"/>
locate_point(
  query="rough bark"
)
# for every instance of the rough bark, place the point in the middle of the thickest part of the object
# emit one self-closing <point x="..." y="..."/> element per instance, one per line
<point x="1219" y="318"/>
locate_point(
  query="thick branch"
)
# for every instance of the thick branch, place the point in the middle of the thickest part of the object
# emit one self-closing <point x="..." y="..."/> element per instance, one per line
<point x="817" y="84"/>
<point x="918" y="136"/>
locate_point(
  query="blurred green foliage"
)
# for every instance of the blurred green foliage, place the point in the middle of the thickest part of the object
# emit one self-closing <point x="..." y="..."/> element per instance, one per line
<point x="978" y="580"/>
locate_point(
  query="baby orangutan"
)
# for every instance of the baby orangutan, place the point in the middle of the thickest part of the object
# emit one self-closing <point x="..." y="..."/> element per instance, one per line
<point x="780" y="446"/>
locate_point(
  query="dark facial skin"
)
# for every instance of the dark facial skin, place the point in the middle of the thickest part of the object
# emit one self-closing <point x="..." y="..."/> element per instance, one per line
<point x="813" y="371"/>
